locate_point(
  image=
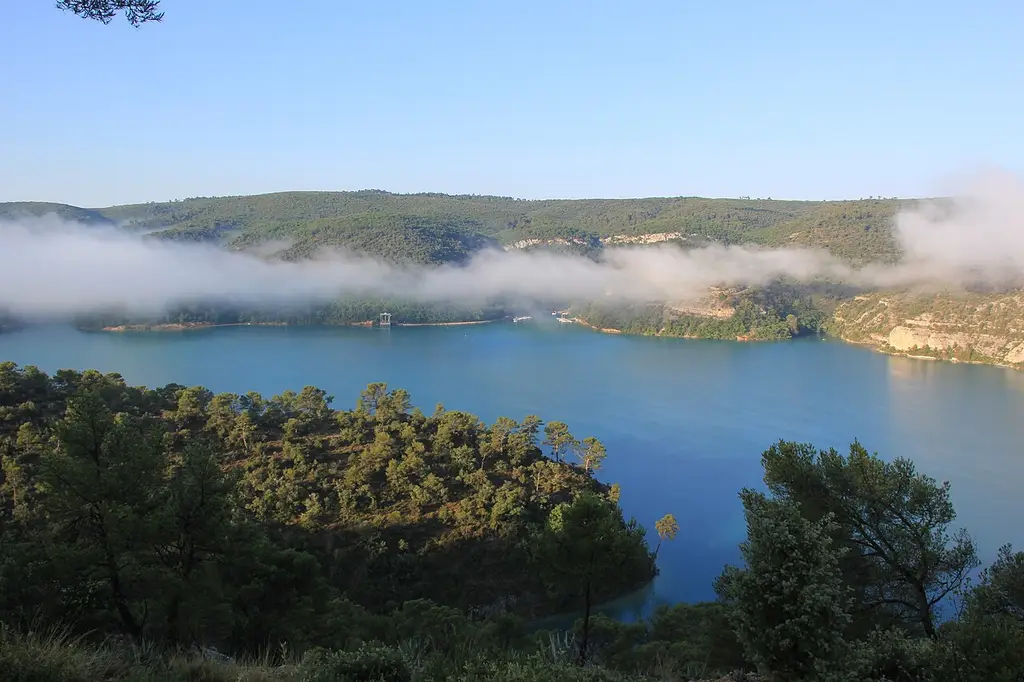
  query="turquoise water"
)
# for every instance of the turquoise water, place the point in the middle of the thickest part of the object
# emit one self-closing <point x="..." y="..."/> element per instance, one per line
<point x="684" y="421"/>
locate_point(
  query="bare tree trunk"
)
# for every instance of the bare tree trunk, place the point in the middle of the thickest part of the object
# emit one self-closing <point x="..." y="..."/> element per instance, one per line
<point x="586" y="623"/>
<point x="120" y="602"/>
<point x="926" y="613"/>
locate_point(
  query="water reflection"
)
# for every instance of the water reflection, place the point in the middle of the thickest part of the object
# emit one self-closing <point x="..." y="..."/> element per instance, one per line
<point x="956" y="428"/>
<point x="630" y="608"/>
<point x="903" y="369"/>
<point x="1014" y="379"/>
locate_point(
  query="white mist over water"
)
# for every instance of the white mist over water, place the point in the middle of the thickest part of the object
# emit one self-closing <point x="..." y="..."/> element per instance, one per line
<point x="56" y="268"/>
<point x="50" y="267"/>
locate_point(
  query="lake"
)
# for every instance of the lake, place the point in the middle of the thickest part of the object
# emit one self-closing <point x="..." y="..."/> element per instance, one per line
<point x="684" y="421"/>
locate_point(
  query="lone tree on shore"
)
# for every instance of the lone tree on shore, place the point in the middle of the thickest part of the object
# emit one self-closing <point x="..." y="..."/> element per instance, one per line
<point x="667" y="527"/>
<point x="137" y="12"/>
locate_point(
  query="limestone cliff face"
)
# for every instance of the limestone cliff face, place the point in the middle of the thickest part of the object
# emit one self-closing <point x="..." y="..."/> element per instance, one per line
<point x="614" y="240"/>
<point x="716" y="303"/>
<point x="986" y="328"/>
<point x="654" y="238"/>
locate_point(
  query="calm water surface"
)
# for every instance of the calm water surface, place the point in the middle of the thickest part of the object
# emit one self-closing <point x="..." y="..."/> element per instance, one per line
<point x="685" y="422"/>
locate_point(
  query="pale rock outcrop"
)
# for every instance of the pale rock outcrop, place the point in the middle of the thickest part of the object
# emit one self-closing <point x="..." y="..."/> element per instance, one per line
<point x="618" y="239"/>
<point x="979" y="327"/>
<point x="905" y="337"/>
<point x="1016" y="355"/>
<point x="653" y="238"/>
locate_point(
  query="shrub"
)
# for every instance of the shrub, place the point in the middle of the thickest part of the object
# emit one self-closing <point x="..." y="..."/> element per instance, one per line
<point x="536" y="669"/>
<point x="988" y="649"/>
<point x="892" y="656"/>
<point x="368" y="663"/>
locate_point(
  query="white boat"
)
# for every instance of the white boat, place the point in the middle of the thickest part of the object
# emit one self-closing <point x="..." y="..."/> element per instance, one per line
<point x="522" y="318"/>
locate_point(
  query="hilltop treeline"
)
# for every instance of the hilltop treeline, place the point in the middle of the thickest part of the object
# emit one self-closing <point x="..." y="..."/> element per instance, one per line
<point x="383" y="543"/>
<point x="444" y="228"/>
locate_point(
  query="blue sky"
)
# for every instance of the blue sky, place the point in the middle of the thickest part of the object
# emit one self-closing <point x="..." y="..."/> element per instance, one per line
<point x="788" y="99"/>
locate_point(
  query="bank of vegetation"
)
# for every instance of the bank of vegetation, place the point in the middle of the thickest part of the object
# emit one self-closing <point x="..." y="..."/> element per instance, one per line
<point x="174" y="534"/>
<point x="340" y="312"/>
<point x="779" y="311"/>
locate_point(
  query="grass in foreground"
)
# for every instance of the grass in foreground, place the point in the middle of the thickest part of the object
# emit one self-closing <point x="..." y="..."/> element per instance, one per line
<point x="55" y="656"/>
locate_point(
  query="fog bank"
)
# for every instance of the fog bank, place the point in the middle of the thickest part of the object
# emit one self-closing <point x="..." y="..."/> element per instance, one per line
<point x="56" y="268"/>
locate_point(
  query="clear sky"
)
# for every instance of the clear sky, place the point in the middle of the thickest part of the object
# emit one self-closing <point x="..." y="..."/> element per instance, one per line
<point x="531" y="98"/>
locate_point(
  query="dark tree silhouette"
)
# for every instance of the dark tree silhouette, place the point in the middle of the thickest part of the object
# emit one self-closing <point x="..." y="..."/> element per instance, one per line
<point x="137" y="12"/>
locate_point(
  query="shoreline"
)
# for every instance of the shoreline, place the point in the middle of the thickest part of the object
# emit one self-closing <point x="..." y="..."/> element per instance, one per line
<point x="874" y="345"/>
<point x="603" y="330"/>
<point x="445" y="324"/>
<point x="871" y="344"/>
<point x="884" y="349"/>
<point x="187" y="326"/>
<point x="611" y="330"/>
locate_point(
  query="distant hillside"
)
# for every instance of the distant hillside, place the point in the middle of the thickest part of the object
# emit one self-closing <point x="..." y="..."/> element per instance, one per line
<point x="443" y="228"/>
<point x="857" y="230"/>
<point x="23" y="209"/>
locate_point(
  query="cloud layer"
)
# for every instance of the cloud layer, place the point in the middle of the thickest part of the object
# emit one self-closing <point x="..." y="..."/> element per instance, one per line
<point x="975" y="238"/>
<point x="51" y="267"/>
<point x="55" y="268"/>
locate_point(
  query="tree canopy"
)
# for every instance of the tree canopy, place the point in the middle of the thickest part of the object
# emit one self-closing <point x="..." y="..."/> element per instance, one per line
<point x="379" y="542"/>
<point x="137" y="12"/>
<point x="183" y="515"/>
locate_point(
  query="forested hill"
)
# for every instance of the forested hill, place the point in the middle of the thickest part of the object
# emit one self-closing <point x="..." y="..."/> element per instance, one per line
<point x="15" y="210"/>
<point x="228" y="508"/>
<point x="443" y="228"/>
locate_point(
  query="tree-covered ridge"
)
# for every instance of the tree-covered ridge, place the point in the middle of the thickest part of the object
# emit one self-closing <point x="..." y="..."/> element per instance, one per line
<point x="245" y="522"/>
<point x="15" y="210"/>
<point x="858" y="230"/>
<point x="396" y="238"/>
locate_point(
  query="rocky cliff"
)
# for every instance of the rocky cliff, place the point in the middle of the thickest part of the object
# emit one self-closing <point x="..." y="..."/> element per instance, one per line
<point x="717" y="303"/>
<point x="613" y="240"/>
<point x="963" y="327"/>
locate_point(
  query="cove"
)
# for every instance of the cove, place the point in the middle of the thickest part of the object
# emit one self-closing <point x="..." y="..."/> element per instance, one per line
<point x="684" y="421"/>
